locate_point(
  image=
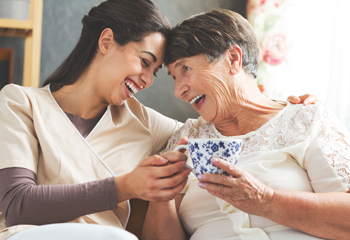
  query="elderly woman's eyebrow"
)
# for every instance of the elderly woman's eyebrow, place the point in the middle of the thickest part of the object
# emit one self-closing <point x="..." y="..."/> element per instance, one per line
<point x="153" y="56"/>
<point x="169" y="73"/>
<point x="176" y="65"/>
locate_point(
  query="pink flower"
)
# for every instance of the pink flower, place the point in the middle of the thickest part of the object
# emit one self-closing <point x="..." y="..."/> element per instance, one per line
<point x="255" y="7"/>
<point x="275" y="49"/>
<point x="278" y="3"/>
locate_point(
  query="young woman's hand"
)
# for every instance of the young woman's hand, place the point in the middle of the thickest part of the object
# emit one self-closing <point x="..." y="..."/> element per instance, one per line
<point x="305" y="99"/>
<point x="156" y="178"/>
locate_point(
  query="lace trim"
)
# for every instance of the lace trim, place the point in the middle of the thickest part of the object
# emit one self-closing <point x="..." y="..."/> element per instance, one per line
<point x="293" y="125"/>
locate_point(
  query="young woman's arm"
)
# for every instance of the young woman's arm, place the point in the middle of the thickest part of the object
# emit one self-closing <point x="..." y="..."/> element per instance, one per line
<point x="23" y="201"/>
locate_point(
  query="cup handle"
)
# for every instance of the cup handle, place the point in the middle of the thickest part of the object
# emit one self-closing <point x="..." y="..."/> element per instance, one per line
<point x="185" y="147"/>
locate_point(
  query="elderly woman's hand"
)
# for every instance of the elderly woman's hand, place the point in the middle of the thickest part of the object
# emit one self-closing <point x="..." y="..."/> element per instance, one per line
<point x="241" y="189"/>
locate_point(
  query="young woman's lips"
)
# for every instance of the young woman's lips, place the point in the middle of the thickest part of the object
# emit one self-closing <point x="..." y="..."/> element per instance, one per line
<point x="126" y="91"/>
<point x="130" y="87"/>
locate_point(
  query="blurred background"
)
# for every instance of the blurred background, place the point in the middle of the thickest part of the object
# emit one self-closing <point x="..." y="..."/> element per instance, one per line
<point x="304" y="48"/>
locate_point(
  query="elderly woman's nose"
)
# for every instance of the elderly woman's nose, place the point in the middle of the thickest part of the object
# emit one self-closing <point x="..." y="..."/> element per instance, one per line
<point x="180" y="89"/>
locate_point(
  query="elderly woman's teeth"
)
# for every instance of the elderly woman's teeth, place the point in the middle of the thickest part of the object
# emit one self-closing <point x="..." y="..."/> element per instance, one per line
<point x="131" y="87"/>
<point x="195" y="99"/>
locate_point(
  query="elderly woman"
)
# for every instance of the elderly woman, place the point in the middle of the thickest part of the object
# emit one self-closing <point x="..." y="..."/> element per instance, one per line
<point x="292" y="179"/>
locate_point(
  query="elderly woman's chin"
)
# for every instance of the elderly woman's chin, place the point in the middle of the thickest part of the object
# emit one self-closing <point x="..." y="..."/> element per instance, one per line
<point x="209" y="112"/>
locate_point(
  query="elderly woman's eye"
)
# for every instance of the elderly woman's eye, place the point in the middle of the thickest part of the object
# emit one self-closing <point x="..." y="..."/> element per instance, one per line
<point x="186" y="68"/>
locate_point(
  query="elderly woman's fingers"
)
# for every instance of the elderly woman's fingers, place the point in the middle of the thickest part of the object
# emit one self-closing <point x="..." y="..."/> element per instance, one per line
<point x="216" y="179"/>
<point x="227" y="167"/>
<point x="183" y="140"/>
<point x="217" y="190"/>
<point x="242" y="190"/>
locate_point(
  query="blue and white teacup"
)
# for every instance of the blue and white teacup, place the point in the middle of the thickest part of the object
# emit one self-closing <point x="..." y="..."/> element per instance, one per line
<point x="202" y="150"/>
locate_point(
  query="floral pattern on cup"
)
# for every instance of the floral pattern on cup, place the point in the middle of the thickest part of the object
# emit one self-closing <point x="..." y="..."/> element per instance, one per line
<point x="202" y="151"/>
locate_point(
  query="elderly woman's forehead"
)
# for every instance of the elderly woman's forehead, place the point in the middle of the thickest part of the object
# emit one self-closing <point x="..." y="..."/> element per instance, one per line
<point x="192" y="59"/>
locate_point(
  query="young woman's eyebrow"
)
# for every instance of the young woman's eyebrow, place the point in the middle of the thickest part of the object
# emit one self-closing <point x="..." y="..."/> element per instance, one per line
<point x="153" y="56"/>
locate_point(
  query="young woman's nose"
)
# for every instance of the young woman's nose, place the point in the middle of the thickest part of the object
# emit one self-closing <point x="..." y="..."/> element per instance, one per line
<point x="147" y="79"/>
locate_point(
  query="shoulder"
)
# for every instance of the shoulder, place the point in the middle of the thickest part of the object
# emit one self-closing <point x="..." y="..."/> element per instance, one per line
<point x="192" y="128"/>
<point x="311" y="111"/>
<point x="316" y="116"/>
<point x="15" y="95"/>
<point x="299" y="112"/>
<point x="130" y="109"/>
<point x="14" y="91"/>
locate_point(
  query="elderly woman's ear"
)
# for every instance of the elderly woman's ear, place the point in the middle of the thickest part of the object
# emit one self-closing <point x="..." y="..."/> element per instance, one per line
<point x="235" y="57"/>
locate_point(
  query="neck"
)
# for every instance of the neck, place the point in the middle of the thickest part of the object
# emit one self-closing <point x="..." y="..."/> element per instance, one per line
<point x="247" y="112"/>
<point x="80" y="98"/>
<point x="249" y="119"/>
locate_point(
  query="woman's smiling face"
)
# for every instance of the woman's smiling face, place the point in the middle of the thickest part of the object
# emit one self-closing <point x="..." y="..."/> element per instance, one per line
<point x="202" y="84"/>
<point x="125" y="70"/>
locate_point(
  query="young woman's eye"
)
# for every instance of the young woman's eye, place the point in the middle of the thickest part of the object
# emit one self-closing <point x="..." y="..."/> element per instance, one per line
<point x="145" y="62"/>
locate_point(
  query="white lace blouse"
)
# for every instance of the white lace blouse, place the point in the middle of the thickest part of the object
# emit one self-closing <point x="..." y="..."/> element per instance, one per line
<point x="302" y="148"/>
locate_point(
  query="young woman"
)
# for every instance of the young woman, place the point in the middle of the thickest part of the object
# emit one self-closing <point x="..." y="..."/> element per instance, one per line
<point x="77" y="149"/>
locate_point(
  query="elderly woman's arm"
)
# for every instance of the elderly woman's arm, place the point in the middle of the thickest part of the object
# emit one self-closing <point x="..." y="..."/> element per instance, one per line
<point x="325" y="215"/>
<point x="162" y="221"/>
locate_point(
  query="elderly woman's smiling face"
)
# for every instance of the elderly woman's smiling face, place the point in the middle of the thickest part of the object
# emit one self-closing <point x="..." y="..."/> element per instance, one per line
<point x="206" y="86"/>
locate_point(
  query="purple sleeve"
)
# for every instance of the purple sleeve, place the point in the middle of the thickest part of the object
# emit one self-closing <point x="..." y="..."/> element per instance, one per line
<point x="22" y="201"/>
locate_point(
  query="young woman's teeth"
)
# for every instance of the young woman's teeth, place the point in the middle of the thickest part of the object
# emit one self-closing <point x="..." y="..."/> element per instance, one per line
<point x="195" y="99"/>
<point x="131" y="87"/>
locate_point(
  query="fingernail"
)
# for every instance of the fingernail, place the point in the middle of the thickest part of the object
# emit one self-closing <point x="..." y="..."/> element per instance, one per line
<point x="215" y="160"/>
<point x="163" y="159"/>
<point x="201" y="184"/>
<point x="306" y="102"/>
<point x="200" y="177"/>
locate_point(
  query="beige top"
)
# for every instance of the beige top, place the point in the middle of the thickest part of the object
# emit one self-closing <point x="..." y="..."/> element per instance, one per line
<point x="36" y="134"/>
<point x="303" y="148"/>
